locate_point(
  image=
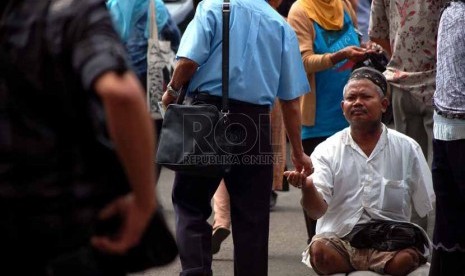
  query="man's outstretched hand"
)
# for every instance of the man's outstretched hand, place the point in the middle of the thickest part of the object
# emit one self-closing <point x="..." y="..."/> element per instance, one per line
<point x="296" y="179"/>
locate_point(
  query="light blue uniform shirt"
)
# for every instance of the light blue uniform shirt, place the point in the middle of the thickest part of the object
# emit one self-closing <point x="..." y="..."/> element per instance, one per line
<point x="265" y="61"/>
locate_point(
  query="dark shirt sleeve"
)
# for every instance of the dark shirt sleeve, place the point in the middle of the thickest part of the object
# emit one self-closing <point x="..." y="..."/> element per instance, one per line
<point x="96" y="48"/>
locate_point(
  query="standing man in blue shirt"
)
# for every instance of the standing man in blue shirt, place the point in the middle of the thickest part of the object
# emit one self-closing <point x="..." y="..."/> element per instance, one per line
<point x="265" y="63"/>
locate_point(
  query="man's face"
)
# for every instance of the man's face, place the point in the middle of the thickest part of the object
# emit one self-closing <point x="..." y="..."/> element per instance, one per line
<point x="363" y="103"/>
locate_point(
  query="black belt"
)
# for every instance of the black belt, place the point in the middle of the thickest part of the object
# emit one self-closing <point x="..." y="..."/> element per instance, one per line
<point x="207" y="98"/>
<point x="448" y="115"/>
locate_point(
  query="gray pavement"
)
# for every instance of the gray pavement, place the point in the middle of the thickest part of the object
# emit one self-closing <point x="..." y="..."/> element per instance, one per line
<point x="287" y="236"/>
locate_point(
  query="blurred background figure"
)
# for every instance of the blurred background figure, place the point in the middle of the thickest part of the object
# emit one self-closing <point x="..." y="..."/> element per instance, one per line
<point x="63" y="86"/>
<point x="131" y="20"/>
<point x="330" y="47"/>
<point x="407" y="31"/>
<point x="362" y="9"/>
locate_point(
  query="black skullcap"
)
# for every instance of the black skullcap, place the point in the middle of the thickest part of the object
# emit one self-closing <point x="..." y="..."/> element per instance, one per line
<point x="371" y="74"/>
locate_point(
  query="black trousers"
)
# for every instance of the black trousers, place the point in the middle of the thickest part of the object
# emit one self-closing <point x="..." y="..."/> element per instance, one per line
<point x="249" y="184"/>
<point x="449" y="227"/>
<point x="447" y="263"/>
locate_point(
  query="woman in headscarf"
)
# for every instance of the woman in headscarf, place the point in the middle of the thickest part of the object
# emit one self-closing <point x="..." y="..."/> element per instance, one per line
<point x="329" y="44"/>
<point x="131" y="21"/>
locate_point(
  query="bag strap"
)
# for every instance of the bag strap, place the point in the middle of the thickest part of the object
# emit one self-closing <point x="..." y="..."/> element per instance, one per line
<point x="225" y="63"/>
<point x="153" y="28"/>
<point x="225" y="57"/>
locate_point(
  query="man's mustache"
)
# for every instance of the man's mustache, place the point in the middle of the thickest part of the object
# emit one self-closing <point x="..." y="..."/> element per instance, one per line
<point x="358" y="109"/>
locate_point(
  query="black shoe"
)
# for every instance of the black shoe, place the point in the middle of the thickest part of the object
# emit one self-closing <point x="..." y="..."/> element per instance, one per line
<point x="218" y="236"/>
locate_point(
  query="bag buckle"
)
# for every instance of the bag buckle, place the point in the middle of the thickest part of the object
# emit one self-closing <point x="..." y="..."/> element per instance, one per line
<point x="226" y="7"/>
<point x="224" y="114"/>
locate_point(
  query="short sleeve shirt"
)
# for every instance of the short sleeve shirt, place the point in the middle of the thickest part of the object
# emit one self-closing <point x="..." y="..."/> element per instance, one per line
<point x="411" y="28"/>
<point x="264" y="58"/>
<point x="57" y="49"/>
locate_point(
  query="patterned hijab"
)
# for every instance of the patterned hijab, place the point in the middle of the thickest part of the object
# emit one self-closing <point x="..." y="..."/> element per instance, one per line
<point x="329" y="14"/>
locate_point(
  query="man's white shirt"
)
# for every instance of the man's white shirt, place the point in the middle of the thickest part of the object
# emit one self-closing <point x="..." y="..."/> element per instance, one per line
<point x="383" y="185"/>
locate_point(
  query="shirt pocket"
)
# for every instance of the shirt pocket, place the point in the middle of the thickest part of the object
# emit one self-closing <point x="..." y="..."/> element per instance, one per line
<point x="392" y="196"/>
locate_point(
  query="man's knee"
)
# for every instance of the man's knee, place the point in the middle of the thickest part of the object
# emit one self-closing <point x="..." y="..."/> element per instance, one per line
<point x="327" y="260"/>
<point x="404" y="262"/>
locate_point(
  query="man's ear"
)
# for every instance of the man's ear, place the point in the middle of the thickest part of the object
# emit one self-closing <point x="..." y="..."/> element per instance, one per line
<point x="384" y="104"/>
<point x="342" y="106"/>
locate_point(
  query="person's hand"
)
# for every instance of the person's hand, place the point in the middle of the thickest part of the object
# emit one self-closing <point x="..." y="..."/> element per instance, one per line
<point x="356" y="54"/>
<point x="296" y="179"/>
<point x="302" y="163"/>
<point x="374" y="47"/>
<point x="167" y="99"/>
<point x="134" y="220"/>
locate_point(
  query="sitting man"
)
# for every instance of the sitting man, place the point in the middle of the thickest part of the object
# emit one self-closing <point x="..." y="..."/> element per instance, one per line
<point x="365" y="179"/>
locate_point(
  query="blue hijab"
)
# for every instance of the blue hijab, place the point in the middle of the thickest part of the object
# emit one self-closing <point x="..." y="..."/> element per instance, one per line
<point x="125" y="14"/>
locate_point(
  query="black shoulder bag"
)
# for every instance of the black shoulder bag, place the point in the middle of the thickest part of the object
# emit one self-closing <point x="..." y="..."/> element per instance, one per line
<point x="193" y="137"/>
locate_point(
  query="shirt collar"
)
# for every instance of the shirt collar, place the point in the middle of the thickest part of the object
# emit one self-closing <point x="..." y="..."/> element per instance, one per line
<point x="349" y="141"/>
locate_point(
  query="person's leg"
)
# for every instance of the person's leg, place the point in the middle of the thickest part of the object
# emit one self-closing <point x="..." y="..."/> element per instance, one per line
<point x="447" y="263"/>
<point x="249" y="188"/>
<point x="404" y="262"/>
<point x="449" y="187"/>
<point x="222" y="217"/>
<point x="409" y="120"/>
<point x="428" y="152"/>
<point x="309" y="146"/>
<point x="414" y="119"/>
<point x="191" y="200"/>
<point x="400" y="262"/>
<point x="221" y="207"/>
<point x="428" y="123"/>
<point x="328" y="255"/>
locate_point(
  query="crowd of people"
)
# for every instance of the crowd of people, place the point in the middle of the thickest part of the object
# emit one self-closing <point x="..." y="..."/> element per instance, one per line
<point x="77" y="144"/>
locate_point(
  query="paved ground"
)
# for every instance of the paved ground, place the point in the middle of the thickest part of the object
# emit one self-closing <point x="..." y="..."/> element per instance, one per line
<point x="287" y="237"/>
